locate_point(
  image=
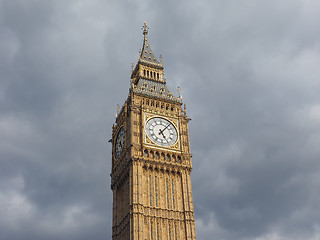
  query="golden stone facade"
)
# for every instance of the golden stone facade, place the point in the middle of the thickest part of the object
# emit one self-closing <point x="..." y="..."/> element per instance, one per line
<point x="151" y="159"/>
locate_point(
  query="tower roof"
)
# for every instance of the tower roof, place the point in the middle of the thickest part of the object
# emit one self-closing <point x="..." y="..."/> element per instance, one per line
<point x="147" y="77"/>
<point x="146" y="53"/>
<point x="155" y="89"/>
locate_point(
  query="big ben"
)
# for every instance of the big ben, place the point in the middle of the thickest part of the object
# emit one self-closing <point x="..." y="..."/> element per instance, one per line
<point x="151" y="159"/>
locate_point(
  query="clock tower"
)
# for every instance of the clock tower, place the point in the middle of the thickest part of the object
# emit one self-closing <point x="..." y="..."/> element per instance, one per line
<point x="151" y="159"/>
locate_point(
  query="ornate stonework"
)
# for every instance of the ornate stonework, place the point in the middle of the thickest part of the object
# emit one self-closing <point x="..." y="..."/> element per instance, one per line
<point x="150" y="179"/>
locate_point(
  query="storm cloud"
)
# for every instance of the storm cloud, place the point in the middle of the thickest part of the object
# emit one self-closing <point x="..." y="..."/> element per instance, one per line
<point x="249" y="73"/>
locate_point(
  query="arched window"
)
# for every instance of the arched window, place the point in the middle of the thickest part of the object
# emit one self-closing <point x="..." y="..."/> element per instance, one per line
<point x="144" y="86"/>
<point x="145" y="153"/>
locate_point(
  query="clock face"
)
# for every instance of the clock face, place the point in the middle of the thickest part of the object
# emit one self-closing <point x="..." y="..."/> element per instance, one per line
<point x="161" y="131"/>
<point x="119" y="142"/>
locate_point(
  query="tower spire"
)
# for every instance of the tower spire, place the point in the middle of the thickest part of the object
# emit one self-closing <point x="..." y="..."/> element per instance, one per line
<point x="146" y="52"/>
<point x="148" y="77"/>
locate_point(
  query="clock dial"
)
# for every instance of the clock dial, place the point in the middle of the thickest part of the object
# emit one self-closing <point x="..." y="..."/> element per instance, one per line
<point x="119" y="142"/>
<point x="161" y="131"/>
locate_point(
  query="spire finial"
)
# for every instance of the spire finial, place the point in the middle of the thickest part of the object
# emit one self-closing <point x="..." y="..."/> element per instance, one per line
<point x="145" y="29"/>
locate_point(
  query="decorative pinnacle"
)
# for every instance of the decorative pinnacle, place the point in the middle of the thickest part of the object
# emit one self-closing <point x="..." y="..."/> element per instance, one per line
<point x="118" y="108"/>
<point x="145" y="29"/>
<point x="179" y="91"/>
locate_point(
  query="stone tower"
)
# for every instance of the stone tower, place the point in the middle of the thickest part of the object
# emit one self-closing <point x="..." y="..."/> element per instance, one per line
<point x="151" y="159"/>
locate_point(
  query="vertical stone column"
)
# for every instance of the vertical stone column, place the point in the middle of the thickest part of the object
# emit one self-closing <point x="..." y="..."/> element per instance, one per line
<point x="114" y="211"/>
<point x="140" y="201"/>
<point x="186" y="203"/>
<point x="135" y="200"/>
<point x="161" y="197"/>
<point x="191" y="222"/>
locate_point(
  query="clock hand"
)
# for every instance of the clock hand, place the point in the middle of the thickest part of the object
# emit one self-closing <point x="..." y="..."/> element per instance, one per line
<point x="161" y="131"/>
<point x="162" y="134"/>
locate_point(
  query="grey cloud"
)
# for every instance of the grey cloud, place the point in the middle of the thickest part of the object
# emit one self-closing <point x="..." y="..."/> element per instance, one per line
<point x="249" y="76"/>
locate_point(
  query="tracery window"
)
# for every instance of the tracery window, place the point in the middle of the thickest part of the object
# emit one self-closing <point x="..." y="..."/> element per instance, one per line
<point x="156" y="190"/>
<point x="157" y="231"/>
<point x="175" y="232"/>
<point x="150" y="190"/>
<point x="167" y="185"/>
<point x="173" y="195"/>
<point x="145" y="153"/>
<point x="151" y="232"/>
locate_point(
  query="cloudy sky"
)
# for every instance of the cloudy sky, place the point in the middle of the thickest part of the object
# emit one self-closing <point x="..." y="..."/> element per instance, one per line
<point x="250" y="77"/>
